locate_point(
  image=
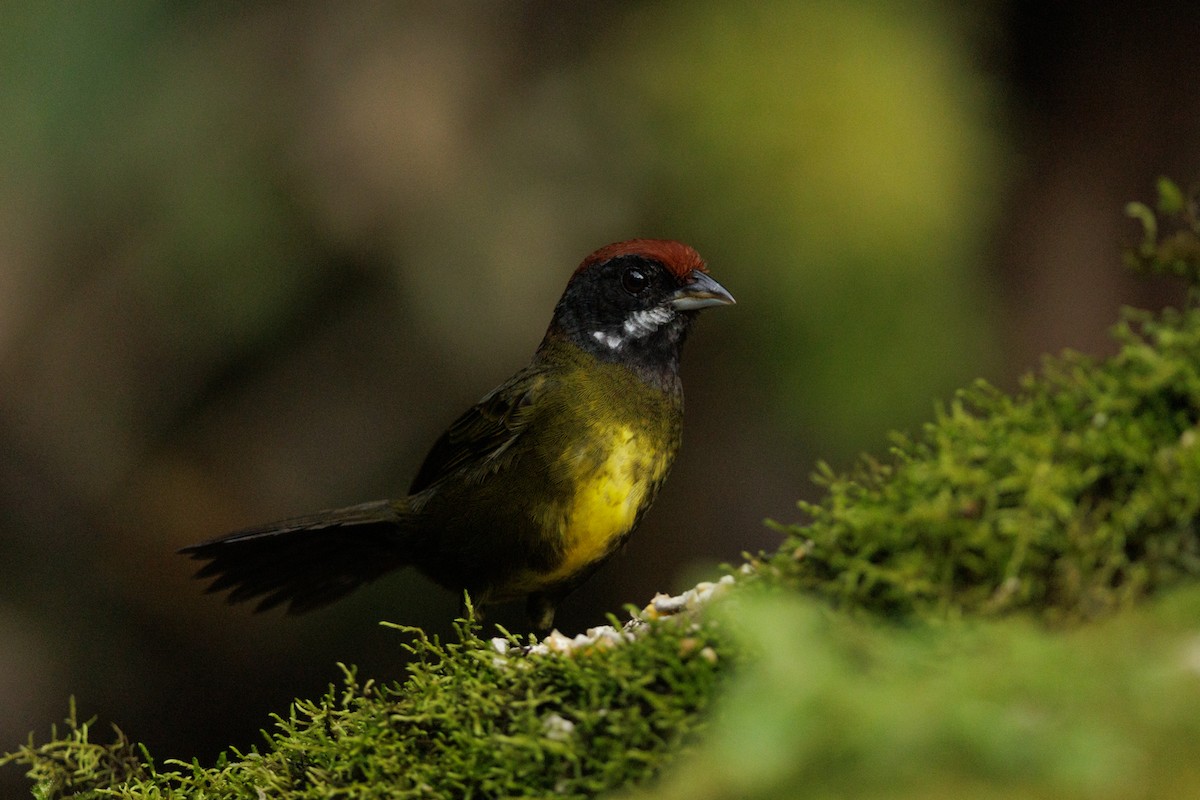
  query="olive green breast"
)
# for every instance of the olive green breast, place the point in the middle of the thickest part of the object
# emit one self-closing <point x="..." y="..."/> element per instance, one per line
<point x="596" y="443"/>
<point x="613" y="440"/>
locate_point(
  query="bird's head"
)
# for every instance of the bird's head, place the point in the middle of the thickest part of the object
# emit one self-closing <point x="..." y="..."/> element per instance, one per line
<point x="633" y="302"/>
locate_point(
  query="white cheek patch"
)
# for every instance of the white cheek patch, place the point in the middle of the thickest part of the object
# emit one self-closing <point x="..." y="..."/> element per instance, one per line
<point x="608" y="340"/>
<point x="640" y="324"/>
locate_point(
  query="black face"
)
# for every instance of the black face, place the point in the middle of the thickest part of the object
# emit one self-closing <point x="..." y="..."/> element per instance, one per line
<point x="621" y="310"/>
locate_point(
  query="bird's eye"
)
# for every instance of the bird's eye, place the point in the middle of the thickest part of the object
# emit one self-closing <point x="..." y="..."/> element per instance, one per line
<point x="633" y="280"/>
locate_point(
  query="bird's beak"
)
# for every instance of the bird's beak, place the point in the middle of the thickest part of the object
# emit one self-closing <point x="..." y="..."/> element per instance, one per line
<point x="701" y="292"/>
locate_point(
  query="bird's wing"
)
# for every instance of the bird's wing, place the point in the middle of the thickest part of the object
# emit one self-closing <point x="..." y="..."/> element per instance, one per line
<point x="479" y="441"/>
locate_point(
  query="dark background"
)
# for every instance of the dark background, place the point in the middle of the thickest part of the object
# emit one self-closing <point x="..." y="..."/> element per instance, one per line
<point x="254" y="257"/>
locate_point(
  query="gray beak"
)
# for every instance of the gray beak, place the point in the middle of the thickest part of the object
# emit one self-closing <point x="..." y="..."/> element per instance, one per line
<point x="702" y="292"/>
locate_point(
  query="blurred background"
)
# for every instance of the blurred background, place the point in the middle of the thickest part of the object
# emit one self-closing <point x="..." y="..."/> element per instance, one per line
<point x="254" y="257"/>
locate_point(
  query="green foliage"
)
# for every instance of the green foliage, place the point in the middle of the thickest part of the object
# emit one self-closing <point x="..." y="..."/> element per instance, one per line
<point x="469" y="721"/>
<point x="1175" y="251"/>
<point x="1071" y="499"/>
<point x="72" y="765"/>
<point x="838" y="706"/>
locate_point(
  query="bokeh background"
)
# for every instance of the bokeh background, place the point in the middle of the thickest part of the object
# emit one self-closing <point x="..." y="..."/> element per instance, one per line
<point x="254" y="257"/>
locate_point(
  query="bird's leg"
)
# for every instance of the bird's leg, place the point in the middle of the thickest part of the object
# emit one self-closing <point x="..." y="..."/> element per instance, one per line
<point x="540" y="608"/>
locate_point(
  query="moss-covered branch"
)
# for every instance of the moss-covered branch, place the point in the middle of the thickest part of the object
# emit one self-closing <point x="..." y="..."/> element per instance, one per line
<point x="835" y="705"/>
<point x="474" y="718"/>
<point x="1071" y="499"/>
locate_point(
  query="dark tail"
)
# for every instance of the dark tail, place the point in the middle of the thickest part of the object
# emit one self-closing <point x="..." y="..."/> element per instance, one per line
<point x="308" y="562"/>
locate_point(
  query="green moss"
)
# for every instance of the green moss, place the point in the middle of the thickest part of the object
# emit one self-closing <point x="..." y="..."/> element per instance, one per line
<point x="844" y="706"/>
<point x="1071" y="499"/>
<point x="1067" y="502"/>
<point x="1170" y="239"/>
<point x="72" y="765"/>
<point x="468" y="721"/>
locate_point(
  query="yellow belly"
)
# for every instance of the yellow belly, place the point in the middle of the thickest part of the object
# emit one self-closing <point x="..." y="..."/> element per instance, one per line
<point x="610" y="489"/>
<point x="606" y="503"/>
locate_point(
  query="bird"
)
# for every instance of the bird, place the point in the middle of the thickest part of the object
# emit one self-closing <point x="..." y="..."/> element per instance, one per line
<point x="530" y="490"/>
